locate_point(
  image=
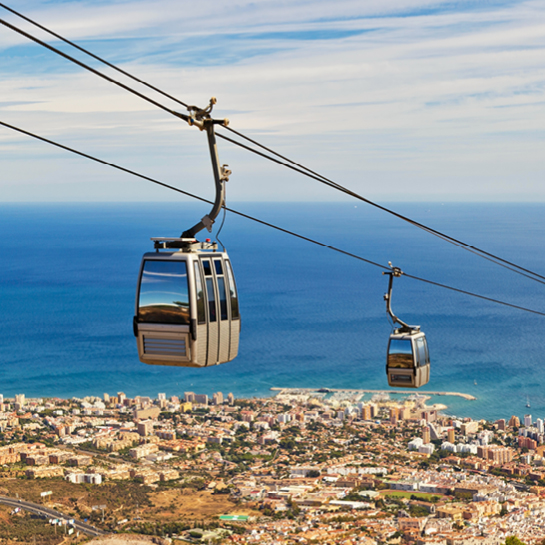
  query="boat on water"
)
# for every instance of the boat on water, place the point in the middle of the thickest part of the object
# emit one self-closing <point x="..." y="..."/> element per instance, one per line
<point x="527" y="402"/>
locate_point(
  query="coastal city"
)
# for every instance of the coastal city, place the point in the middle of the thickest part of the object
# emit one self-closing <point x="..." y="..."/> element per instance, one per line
<point x="304" y="466"/>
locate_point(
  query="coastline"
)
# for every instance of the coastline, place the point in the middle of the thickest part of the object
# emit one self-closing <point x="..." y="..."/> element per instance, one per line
<point x="468" y="397"/>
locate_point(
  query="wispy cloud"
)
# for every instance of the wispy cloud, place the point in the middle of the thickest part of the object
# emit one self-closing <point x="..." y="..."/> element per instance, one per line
<point x="444" y="98"/>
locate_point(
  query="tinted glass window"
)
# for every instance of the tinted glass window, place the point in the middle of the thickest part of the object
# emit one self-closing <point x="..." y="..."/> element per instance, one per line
<point x="233" y="292"/>
<point x="206" y="267"/>
<point x="218" y="265"/>
<point x="201" y="315"/>
<point x="211" y="300"/>
<point x="422" y="352"/>
<point x="400" y="353"/>
<point x="223" y="298"/>
<point x="164" y="293"/>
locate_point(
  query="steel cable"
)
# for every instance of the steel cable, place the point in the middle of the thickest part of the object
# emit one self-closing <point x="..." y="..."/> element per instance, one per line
<point x="262" y="222"/>
<point x="297" y="167"/>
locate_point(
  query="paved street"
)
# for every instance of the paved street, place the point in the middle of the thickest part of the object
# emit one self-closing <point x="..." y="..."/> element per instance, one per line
<point x="50" y="513"/>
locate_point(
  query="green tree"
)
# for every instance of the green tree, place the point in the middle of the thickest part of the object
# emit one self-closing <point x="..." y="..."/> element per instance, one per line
<point x="514" y="540"/>
<point x="418" y="511"/>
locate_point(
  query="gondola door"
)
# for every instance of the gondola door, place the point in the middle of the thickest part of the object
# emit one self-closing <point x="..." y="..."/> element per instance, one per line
<point x="212" y="310"/>
<point x="223" y="309"/>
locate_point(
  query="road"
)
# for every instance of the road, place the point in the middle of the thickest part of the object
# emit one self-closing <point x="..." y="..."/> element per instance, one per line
<point x="51" y="513"/>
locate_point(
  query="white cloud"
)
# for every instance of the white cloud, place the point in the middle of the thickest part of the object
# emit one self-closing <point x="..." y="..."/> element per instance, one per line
<point x="448" y="100"/>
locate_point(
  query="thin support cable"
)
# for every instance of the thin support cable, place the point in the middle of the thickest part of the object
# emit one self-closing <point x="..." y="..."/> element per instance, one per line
<point x="276" y="227"/>
<point x="458" y="290"/>
<point x="221" y="227"/>
<point x="509" y="265"/>
<point x="96" y="57"/>
<point x="92" y="70"/>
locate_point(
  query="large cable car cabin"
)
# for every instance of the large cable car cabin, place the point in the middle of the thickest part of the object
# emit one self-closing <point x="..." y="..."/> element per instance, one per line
<point x="408" y="361"/>
<point x="187" y="306"/>
<point x="187" y="311"/>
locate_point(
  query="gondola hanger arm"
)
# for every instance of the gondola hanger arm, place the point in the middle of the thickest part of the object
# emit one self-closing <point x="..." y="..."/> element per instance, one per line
<point x="395" y="272"/>
<point x="200" y="117"/>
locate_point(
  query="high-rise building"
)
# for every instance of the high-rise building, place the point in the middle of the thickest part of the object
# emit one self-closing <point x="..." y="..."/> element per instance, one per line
<point x="218" y="398"/>
<point x="428" y="448"/>
<point x="501" y="423"/>
<point x="106" y="398"/>
<point x="189" y="396"/>
<point x="366" y="412"/>
<point x="426" y="435"/>
<point x="394" y="415"/>
<point x="20" y="399"/>
<point x="451" y="435"/>
<point x="415" y="443"/>
<point x="470" y="427"/>
<point x="161" y="397"/>
<point x="499" y="455"/>
<point x="539" y="425"/>
<point x="526" y="442"/>
<point x="527" y="420"/>
<point x="429" y="415"/>
<point x="231" y="398"/>
<point x="514" y="422"/>
<point x="145" y="427"/>
<point x="374" y="410"/>
<point x="121" y="397"/>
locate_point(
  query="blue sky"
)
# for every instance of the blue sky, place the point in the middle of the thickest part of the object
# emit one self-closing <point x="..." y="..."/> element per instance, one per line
<point x="400" y="100"/>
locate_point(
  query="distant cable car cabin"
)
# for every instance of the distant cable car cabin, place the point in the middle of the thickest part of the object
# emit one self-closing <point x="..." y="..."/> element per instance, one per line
<point x="408" y="360"/>
<point x="187" y="311"/>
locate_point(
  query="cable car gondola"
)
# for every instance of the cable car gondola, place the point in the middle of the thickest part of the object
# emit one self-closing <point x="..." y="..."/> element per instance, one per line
<point x="408" y="361"/>
<point x="187" y="311"/>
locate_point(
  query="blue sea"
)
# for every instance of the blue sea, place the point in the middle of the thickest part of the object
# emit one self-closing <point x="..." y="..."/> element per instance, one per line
<point x="311" y="317"/>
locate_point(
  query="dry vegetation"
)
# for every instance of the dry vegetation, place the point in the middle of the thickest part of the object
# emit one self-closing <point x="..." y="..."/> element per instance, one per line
<point x="25" y="528"/>
<point x="125" y="540"/>
<point x="140" y="508"/>
<point x="184" y="504"/>
<point x="76" y="500"/>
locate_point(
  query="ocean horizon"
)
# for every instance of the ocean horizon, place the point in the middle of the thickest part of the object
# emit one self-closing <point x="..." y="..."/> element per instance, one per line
<point x="311" y="317"/>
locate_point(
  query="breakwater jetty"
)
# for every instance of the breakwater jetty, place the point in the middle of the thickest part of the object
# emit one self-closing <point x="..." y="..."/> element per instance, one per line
<point x="360" y="391"/>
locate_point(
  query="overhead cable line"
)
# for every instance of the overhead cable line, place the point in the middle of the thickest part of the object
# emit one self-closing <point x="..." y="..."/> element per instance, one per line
<point x="509" y="265"/>
<point x="472" y="249"/>
<point x="262" y="222"/>
<point x="87" y="52"/>
<point x="96" y="72"/>
<point x="178" y="190"/>
<point x="322" y="179"/>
